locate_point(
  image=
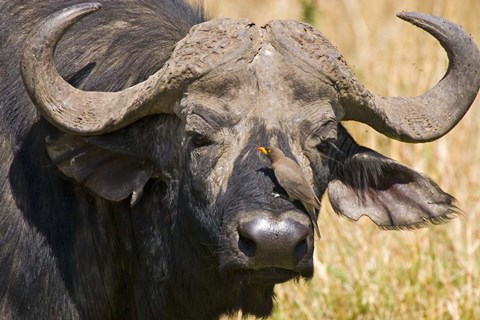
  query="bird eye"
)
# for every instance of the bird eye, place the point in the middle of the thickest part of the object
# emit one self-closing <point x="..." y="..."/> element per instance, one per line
<point x="324" y="147"/>
<point x="199" y="140"/>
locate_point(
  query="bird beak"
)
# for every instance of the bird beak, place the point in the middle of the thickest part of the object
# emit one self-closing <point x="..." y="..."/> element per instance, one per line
<point x="262" y="149"/>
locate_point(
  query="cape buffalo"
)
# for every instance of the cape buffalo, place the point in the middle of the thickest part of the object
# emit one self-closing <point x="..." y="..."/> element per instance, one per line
<point x="134" y="188"/>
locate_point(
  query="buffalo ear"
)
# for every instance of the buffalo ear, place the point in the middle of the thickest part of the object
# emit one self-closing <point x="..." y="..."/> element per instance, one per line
<point x="393" y="196"/>
<point x="111" y="175"/>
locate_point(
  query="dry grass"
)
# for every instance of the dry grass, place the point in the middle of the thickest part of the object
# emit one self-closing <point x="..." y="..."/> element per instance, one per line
<point x="361" y="271"/>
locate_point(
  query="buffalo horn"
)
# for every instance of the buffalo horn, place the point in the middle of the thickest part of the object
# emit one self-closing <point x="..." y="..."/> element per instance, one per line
<point x="434" y="113"/>
<point x="70" y="109"/>
<point x="74" y="111"/>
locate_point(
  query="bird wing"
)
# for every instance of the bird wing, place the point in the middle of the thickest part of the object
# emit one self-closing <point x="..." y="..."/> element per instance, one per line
<point x="290" y="177"/>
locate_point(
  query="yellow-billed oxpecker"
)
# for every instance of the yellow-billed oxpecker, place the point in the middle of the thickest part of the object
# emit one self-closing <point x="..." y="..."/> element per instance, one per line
<point x="291" y="178"/>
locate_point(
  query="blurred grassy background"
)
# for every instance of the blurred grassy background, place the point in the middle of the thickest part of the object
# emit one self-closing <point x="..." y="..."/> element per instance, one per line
<point x="362" y="272"/>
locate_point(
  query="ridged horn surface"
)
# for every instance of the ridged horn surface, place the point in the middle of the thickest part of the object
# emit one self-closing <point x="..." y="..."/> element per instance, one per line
<point x="74" y="111"/>
<point x="434" y="113"/>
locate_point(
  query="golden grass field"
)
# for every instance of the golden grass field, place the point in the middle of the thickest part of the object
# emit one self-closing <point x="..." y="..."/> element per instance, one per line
<point x="362" y="272"/>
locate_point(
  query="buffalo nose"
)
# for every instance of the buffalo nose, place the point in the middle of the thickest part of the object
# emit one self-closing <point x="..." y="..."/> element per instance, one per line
<point x="270" y="243"/>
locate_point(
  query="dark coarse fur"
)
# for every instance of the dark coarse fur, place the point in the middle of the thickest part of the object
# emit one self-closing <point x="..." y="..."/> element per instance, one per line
<point x="167" y="244"/>
<point x="60" y="258"/>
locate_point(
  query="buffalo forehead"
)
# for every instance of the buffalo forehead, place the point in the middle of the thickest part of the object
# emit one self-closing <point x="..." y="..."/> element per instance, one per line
<point x="268" y="87"/>
<point x="281" y="91"/>
<point x="263" y="83"/>
<point x="223" y="43"/>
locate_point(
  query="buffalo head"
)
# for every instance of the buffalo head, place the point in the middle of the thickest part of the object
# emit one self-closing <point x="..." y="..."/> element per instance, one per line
<point x="228" y="87"/>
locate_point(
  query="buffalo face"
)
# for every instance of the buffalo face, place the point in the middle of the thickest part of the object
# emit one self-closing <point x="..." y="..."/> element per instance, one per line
<point x="194" y="125"/>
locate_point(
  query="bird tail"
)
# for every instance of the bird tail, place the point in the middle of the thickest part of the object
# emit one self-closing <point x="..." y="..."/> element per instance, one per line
<point x="313" y="218"/>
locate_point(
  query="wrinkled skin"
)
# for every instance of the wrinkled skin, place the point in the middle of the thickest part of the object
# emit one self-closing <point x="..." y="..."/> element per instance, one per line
<point x="154" y="219"/>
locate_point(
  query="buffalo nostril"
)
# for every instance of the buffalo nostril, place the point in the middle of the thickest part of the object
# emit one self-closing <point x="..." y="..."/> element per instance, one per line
<point x="301" y="249"/>
<point x="247" y="246"/>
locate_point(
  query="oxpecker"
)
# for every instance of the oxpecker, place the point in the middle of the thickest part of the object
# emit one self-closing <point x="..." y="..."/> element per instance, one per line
<point x="291" y="178"/>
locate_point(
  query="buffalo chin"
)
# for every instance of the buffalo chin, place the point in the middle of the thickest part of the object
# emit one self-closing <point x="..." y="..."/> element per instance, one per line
<point x="257" y="299"/>
<point x="257" y="294"/>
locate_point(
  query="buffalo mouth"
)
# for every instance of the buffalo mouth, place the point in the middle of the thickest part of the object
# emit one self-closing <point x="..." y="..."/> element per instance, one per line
<point x="257" y="287"/>
<point x="268" y="271"/>
<point x="269" y="274"/>
<point x="272" y="275"/>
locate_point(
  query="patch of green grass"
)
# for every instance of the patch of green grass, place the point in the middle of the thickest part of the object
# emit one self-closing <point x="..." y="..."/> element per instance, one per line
<point x="310" y="11"/>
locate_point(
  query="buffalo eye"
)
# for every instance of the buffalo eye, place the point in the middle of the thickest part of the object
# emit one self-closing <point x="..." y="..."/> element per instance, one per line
<point x="324" y="147"/>
<point x="199" y="140"/>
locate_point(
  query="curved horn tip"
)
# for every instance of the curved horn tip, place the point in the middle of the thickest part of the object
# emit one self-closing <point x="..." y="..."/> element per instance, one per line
<point x="412" y="16"/>
<point x="70" y="15"/>
<point x="87" y="6"/>
<point x="55" y="25"/>
<point x="432" y="24"/>
<point x="78" y="10"/>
